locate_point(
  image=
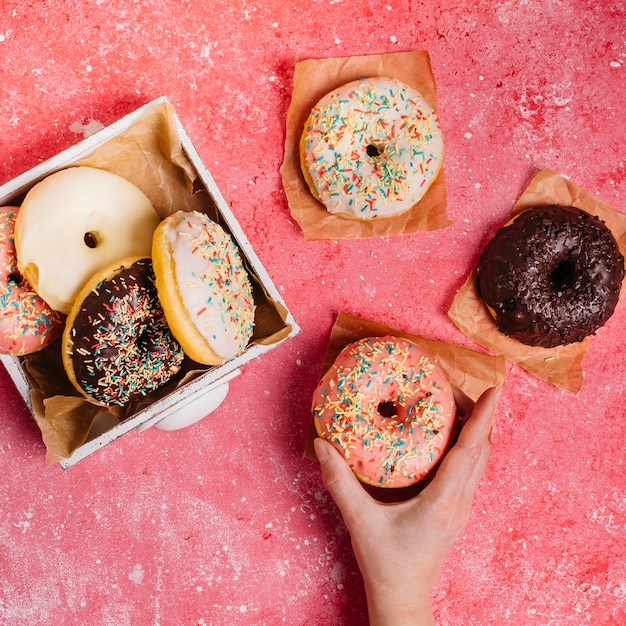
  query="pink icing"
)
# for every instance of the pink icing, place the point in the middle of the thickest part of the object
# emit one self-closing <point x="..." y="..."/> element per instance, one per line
<point x="388" y="408"/>
<point x="27" y="323"/>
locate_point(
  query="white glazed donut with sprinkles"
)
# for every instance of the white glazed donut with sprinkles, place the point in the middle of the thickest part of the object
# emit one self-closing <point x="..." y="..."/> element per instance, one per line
<point x="203" y="286"/>
<point x="388" y="408"/>
<point x="371" y="149"/>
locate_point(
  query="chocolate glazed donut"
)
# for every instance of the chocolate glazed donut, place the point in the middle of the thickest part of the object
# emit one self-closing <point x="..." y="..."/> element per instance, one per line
<point x="552" y="276"/>
<point x="117" y="345"/>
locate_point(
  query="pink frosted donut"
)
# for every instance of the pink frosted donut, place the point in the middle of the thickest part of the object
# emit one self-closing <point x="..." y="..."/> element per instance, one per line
<point x="27" y="323"/>
<point x="388" y="408"/>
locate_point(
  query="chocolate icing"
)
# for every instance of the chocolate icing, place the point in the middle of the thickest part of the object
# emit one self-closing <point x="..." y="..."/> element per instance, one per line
<point x="122" y="345"/>
<point x="552" y="276"/>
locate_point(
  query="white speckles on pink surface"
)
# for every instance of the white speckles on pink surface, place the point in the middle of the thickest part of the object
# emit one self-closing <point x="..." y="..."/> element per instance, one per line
<point x="86" y="129"/>
<point x="137" y="574"/>
<point x="224" y="522"/>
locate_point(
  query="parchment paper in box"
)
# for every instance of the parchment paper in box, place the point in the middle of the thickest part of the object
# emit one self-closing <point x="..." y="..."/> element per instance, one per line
<point x="561" y="366"/>
<point x="149" y="154"/>
<point x="470" y="371"/>
<point x="313" y="78"/>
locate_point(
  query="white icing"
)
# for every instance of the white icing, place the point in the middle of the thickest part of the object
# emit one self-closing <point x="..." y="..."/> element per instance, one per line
<point x="380" y="115"/>
<point x="212" y="282"/>
<point x="58" y="212"/>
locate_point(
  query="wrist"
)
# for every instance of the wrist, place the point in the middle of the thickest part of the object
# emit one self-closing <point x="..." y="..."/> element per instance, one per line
<point x="394" y="615"/>
<point x="384" y="612"/>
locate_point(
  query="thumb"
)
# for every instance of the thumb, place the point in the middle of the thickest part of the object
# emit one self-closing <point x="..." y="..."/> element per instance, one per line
<point x="463" y="466"/>
<point x="342" y="484"/>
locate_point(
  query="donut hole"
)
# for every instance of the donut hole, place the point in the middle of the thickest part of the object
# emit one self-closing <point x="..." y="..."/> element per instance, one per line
<point x="564" y="274"/>
<point x="387" y="408"/>
<point x="14" y="278"/>
<point x="372" y="150"/>
<point x="90" y="239"/>
<point x="145" y="341"/>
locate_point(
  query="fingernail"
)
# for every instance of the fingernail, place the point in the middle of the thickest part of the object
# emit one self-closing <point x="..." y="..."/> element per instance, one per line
<point x="495" y="395"/>
<point x="494" y="399"/>
<point x="321" y="451"/>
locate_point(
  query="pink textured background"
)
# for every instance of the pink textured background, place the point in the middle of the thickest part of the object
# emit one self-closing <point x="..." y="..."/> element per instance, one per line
<point x="224" y="522"/>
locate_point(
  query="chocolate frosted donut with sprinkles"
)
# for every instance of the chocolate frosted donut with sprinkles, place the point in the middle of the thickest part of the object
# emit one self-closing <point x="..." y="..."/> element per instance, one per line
<point x="117" y="346"/>
<point x="388" y="408"/>
<point x="371" y="149"/>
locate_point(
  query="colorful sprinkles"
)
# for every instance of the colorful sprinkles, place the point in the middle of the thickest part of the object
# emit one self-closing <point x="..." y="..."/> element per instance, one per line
<point x="372" y="148"/>
<point x="121" y="345"/>
<point x="387" y="407"/>
<point x="27" y="323"/>
<point x="213" y="282"/>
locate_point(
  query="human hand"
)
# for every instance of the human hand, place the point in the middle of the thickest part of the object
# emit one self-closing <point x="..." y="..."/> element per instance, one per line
<point x="401" y="547"/>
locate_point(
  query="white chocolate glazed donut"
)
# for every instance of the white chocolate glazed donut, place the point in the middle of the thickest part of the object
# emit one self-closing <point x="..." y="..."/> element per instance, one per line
<point x="76" y="222"/>
<point x="371" y="149"/>
<point x="388" y="408"/>
<point x="203" y="286"/>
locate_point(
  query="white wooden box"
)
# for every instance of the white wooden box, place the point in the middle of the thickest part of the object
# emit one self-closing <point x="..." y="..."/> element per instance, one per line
<point x="198" y="397"/>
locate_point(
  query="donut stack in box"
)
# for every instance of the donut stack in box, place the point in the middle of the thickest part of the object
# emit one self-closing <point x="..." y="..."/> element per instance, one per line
<point x="88" y="256"/>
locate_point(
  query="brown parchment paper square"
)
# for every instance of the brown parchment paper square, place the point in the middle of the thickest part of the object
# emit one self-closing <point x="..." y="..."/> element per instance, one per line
<point x="314" y="78"/>
<point x="149" y="154"/>
<point x="470" y="371"/>
<point x="560" y="366"/>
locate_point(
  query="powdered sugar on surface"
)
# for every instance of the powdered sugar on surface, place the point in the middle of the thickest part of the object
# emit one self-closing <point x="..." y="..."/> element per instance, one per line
<point x="224" y="522"/>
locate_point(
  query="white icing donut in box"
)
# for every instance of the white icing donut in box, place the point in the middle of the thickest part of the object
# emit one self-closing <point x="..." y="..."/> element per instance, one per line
<point x="371" y="149"/>
<point x="74" y="223"/>
<point x="203" y="286"/>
